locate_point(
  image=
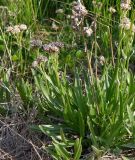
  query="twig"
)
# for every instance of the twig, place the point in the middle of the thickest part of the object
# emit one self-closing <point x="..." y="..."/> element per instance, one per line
<point x="35" y="150"/>
<point x="29" y="142"/>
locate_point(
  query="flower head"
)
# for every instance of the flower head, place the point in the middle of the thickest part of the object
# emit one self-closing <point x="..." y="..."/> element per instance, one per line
<point x="80" y="9"/>
<point x="125" y="5"/>
<point x="125" y="23"/>
<point x="39" y="60"/>
<point x="16" y="29"/>
<point x="54" y="26"/>
<point x="36" y="43"/>
<point x="57" y="44"/>
<point x="88" y="31"/>
<point x="23" y="27"/>
<point x="59" y="11"/>
<point x="112" y="10"/>
<point x="97" y="4"/>
<point x="46" y="47"/>
<point x="133" y="28"/>
<point x="78" y="13"/>
<point x="102" y="60"/>
<point x="53" y="47"/>
<point x="9" y="29"/>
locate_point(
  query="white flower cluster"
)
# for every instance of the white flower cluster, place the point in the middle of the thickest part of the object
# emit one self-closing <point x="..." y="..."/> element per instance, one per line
<point x="87" y="31"/>
<point x="53" y="47"/>
<point x="112" y="10"/>
<point x="97" y="4"/>
<point x="16" y="29"/>
<point x="125" y="5"/>
<point x="78" y="13"/>
<point x="126" y="24"/>
<point x="36" y="43"/>
<point x="59" y="11"/>
<point x="39" y="60"/>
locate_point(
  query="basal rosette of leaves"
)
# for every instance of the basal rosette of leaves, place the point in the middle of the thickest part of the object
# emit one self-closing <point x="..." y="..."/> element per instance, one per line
<point x="98" y="112"/>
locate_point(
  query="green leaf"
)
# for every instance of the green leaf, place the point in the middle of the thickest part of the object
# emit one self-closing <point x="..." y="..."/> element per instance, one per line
<point x="125" y="158"/>
<point x="129" y="145"/>
<point x="77" y="149"/>
<point x="15" y="57"/>
<point x="61" y="150"/>
<point x="50" y="130"/>
<point x="97" y="152"/>
<point x="130" y="115"/>
<point x="81" y="124"/>
<point x="63" y="136"/>
<point x="93" y="135"/>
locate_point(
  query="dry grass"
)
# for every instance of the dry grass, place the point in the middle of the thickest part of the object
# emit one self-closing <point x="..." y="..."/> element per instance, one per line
<point x="18" y="141"/>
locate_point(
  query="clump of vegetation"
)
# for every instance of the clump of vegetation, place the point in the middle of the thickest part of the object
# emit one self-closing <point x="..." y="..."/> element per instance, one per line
<point x="70" y="65"/>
